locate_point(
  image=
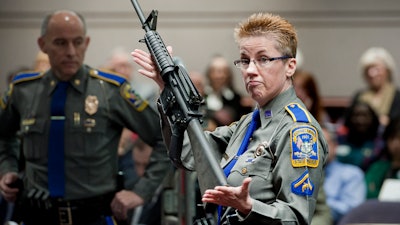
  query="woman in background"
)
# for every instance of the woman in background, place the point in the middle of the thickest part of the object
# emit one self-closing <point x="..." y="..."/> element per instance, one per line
<point x="378" y="68"/>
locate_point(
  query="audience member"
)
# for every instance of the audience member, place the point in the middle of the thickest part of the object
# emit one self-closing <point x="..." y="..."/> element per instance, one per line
<point x="121" y="63"/>
<point x="223" y="101"/>
<point x="41" y="62"/>
<point x="359" y="136"/>
<point x="389" y="166"/>
<point x="199" y="81"/>
<point x="378" y="69"/>
<point x="306" y="87"/>
<point x="344" y="183"/>
<point x="149" y="213"/>
<point x="133" y="152"/>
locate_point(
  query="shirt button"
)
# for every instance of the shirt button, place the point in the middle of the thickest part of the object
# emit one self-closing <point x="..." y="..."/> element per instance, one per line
<point x="244" y="170"/>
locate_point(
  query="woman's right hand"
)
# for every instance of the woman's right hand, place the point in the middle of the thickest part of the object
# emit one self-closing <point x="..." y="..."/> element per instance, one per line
<point x="149" y="68"/>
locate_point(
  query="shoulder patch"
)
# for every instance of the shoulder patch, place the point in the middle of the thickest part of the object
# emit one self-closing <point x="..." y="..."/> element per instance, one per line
<point x="133" y="98"/>
<point x="303" y="185"/>
<point x="5" y="97"/>
<point x="304" y="146"/>
<point x="26" y="76"/>
<point x="298" y="113"/>
<point x="108" y="76"/>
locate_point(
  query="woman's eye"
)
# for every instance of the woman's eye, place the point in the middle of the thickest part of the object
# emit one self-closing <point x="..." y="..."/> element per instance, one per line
<point x="245" y="61"/>
<point x="263" y="60"/>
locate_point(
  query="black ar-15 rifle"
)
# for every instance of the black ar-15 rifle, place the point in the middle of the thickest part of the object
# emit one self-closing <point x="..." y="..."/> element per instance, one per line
<point x="180" y="101"/>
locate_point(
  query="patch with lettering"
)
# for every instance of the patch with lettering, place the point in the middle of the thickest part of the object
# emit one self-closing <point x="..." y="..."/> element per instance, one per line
<point x="304" y="146"/>
<point x="303" y="185"/>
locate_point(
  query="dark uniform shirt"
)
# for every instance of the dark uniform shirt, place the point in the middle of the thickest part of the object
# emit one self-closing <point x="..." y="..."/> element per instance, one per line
<point x="98" y="106"/>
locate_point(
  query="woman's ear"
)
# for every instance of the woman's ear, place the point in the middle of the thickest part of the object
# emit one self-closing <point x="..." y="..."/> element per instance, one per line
<point x="291" y="67"/>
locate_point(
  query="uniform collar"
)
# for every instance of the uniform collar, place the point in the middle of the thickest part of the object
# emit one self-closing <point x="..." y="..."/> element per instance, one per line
<point x="276" y="106"/>
<point x="78" y="81"/>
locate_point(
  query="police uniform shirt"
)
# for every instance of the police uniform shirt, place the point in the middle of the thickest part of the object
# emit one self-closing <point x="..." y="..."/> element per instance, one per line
<point x="285" y="159"/>
<point x="98" y="106"/>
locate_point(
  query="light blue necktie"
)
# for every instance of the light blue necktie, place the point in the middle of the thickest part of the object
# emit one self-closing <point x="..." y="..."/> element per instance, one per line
<point x="254" y="124"/>
<point x="55" y="165"/>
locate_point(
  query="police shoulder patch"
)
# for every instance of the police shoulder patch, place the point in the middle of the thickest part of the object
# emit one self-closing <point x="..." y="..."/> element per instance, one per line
<point x="303" y="185"/>
<point x="5" y="97"/>
<point x="26" y="76"/>
<point x="298" y="113"/>
<point x="133" y="98"/>
<point x="304" y="146"/>
<point x="108" y="76"/>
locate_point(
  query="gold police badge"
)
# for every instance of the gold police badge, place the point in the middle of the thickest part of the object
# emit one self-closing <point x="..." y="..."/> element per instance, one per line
<point x="91" y="104"/>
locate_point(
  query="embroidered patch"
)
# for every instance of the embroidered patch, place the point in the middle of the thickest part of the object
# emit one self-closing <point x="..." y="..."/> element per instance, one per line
<point x="303" y="185"/>
<point x="304" y="146"/>
<point x="129" y="94"/>
<point x="268" y="113"/>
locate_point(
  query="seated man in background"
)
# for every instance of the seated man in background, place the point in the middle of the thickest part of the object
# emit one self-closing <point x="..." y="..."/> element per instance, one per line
<point x="344" y="183"/>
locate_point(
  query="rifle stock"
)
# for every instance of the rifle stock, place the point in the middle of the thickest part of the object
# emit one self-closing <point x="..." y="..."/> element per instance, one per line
<point x="180" y="102"/>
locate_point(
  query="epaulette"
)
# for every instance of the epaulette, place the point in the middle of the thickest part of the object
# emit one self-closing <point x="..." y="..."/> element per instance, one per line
<point x="26" y="76"/>
<point x="298" y="113"/>
<point x="108" y="76"/>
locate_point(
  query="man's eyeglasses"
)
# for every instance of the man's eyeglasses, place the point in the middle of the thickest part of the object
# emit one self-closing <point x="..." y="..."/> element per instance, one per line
<point x="261" y="62"/>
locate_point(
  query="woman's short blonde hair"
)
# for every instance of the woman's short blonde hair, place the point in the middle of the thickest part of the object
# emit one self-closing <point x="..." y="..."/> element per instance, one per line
<point x="267" y="24"/>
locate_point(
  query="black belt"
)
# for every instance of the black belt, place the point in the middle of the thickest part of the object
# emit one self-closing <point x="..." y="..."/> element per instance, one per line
<point x="67" y="212"/>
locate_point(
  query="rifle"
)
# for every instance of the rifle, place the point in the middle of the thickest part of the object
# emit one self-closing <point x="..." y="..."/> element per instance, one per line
<point x="180" y="102"/>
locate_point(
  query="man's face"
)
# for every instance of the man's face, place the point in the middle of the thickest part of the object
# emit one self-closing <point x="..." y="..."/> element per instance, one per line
<point x="65" y="43"/>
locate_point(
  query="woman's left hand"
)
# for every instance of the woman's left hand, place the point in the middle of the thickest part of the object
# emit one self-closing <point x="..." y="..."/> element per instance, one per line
<point x="235" y="197"/>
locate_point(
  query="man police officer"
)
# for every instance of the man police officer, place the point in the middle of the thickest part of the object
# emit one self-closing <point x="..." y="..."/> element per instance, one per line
<point x="78" y="127"/>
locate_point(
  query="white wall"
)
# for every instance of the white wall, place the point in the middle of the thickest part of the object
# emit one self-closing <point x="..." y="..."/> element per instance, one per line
<point x="332" y="34"/>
